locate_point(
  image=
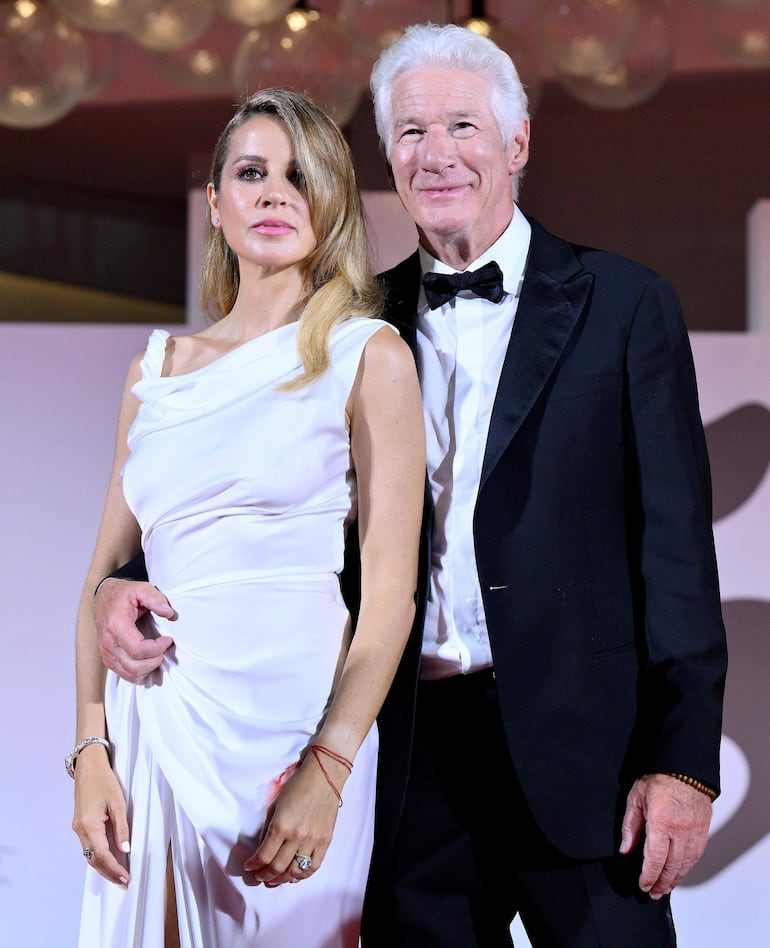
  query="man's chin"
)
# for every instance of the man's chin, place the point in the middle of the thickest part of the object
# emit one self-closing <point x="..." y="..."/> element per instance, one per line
<point x="444" y="222"/>
<point x="447" y="234"/>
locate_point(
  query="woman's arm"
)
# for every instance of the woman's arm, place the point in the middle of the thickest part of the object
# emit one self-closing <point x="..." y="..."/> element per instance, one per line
<point x="100" y="810"/>
<point x="388" y="450"/>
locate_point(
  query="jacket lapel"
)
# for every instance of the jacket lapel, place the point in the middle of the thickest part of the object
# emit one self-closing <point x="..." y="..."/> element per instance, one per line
<point x="553" y="295"/>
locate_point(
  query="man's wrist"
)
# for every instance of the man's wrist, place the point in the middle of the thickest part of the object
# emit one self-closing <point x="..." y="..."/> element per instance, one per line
<point x="134" y="571"/>
<point x="104" y="580"/>
<point x="695" y="784"/>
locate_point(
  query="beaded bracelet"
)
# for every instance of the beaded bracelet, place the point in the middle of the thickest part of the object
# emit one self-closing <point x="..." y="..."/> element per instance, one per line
<point x="695" y="784"/>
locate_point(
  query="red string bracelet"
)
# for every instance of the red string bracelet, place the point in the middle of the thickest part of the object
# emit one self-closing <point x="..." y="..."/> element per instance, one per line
<point x="316" y="750"/>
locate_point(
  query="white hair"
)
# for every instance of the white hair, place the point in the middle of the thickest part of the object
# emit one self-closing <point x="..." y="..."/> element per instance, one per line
<point x="449" y="47"/>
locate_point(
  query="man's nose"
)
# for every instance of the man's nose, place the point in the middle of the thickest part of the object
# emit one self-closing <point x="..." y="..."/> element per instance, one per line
<point x="438" y="152"/>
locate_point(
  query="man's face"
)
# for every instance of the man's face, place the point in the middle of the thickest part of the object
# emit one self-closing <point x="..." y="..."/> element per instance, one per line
<point x="448" y="162"/>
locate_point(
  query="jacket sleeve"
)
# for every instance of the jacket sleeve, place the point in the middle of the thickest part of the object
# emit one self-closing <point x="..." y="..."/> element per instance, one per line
<point x="135" y="569"/>
<point x="683" y="675"/>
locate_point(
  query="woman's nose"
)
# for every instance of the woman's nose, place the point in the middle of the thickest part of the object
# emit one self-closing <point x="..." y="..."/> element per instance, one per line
<point x="274" y="192"/>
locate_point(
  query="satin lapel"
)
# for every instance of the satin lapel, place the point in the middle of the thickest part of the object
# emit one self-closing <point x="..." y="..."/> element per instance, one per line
<point x="549" y="307"/>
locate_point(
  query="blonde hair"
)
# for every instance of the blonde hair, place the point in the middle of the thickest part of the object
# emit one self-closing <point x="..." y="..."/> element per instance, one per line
<point x="337" y="273"/>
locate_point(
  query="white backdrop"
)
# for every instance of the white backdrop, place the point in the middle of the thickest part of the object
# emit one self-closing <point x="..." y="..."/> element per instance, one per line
<point x="59" y="394"/>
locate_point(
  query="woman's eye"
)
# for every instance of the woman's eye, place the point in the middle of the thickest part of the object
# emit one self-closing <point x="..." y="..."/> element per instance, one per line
<point x="249" y="174"/>
<point x="297" y="180"/>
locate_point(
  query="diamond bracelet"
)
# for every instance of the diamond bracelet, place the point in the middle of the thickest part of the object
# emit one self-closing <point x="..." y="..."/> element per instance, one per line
<point x="71" y="758"/>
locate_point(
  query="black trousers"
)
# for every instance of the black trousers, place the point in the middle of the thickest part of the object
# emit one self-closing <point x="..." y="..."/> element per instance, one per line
<point x="469" y="856"/>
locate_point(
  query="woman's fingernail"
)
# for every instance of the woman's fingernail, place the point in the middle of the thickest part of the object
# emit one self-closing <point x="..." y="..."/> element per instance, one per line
<point x="125" y="846"/>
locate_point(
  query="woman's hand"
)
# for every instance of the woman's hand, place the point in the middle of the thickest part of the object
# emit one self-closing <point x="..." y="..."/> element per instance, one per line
<point x="300" y="822"/>
<point x="100" y="819"/>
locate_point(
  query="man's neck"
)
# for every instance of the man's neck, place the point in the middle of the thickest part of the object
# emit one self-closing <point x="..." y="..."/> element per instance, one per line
<point x="457" y="251"/>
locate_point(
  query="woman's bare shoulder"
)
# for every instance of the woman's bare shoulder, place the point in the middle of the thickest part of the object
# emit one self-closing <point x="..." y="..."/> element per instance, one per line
<point x="386" y="351"/>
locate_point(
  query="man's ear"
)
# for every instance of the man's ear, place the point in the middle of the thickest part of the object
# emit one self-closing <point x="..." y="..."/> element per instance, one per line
<point x="518" y="149"/>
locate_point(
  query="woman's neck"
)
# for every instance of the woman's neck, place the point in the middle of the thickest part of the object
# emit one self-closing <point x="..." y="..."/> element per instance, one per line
<point x="264" y="302"/>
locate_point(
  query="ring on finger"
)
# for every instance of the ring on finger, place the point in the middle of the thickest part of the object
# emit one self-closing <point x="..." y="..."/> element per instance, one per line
<point x="88" y="853"/>
<point x="305" y="863"/>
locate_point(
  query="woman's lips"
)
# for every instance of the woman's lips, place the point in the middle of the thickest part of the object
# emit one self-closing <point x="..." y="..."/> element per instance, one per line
<point x="273" y="227"/>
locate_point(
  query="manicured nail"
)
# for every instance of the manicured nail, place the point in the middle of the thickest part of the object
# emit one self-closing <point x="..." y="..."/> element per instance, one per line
<point x="123" y="881"/>
<point x="125" y="846"/>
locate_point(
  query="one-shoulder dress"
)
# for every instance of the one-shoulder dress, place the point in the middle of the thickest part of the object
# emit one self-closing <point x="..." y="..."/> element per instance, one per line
<point x="242" y="492"/>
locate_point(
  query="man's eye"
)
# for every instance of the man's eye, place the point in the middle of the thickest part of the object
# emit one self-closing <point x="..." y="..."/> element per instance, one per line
<point x="410" y="133"/>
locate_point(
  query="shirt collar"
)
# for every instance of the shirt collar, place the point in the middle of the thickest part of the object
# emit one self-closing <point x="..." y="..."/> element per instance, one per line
<point x="509" y="250"/>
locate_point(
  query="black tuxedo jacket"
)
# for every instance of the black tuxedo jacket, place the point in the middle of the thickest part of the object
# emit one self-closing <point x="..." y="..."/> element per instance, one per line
<point x="594" y="549"/>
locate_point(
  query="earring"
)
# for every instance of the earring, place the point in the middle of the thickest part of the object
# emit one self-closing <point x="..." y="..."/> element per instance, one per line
<point x="216" y="222"/>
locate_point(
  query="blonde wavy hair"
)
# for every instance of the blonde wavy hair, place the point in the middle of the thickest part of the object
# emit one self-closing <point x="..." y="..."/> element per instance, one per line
<point x="337" y="273"/>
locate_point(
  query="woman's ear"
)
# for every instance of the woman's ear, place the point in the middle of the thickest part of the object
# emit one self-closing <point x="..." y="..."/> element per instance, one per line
<point x="213" y="199"/>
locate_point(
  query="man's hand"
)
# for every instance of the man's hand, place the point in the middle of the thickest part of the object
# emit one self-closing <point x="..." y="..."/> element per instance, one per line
<point x="119" y="605"/>
<point x="675" y="818"/>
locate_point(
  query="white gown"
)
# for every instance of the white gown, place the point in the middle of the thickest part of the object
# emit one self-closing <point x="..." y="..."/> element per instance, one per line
<point x="242" y="493"/>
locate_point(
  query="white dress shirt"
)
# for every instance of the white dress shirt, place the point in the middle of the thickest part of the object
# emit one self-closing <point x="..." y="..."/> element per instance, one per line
<point x="461" y="350"/>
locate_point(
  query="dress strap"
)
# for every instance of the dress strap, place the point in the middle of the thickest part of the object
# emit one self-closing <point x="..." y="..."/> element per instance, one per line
<point x="154" y="355"/>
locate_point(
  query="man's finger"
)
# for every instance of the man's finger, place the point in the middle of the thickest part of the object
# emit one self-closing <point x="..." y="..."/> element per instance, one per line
<point x="121" y="597"/>
<point x="153" y="600"/>
<point x="136" y="670"/>
<point x="137" y="649"/>
<point x="633" y="823"/>
<point x="129" y="654"/>
<point x="656" y="853"/>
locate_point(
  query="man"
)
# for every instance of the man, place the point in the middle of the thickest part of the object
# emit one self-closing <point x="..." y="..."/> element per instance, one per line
<point x="553" y="749"/>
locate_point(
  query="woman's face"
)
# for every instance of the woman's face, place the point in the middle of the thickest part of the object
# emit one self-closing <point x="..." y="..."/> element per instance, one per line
<point x="260" y="204"/>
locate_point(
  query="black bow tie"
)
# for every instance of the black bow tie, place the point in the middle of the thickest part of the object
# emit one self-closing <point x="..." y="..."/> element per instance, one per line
<point x="486" y="282"/>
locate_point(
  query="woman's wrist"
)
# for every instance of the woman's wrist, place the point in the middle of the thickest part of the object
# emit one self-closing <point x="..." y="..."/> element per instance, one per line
<point x="335" y="768"/>
<point x="88" y="746"/>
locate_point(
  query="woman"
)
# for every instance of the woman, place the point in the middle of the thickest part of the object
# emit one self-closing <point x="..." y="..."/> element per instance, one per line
<point x="242" y="453"/>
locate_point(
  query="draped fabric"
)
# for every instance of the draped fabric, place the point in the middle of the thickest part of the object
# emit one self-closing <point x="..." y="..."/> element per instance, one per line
<point x="242" y="493"/>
